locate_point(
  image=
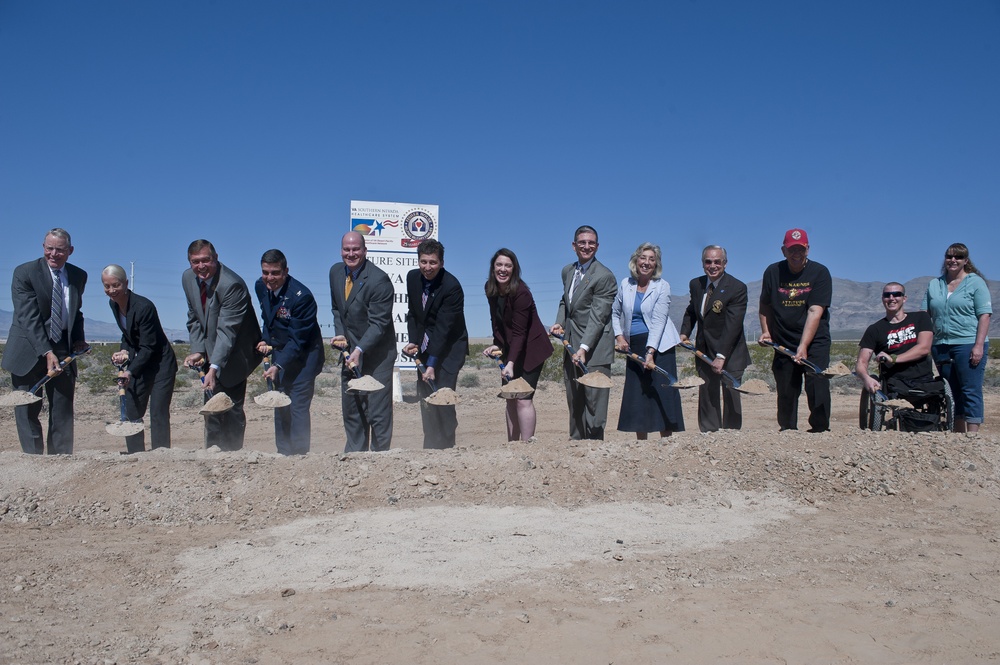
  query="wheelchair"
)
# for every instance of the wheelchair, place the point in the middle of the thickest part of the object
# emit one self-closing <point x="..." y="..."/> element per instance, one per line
<point x="932" y="407"/>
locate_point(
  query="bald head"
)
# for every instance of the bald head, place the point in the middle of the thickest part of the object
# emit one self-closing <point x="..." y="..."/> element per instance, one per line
<point x="353" y="250"/>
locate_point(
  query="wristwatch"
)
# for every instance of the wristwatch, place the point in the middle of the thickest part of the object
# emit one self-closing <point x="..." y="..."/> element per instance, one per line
<point x="720" y="356"/>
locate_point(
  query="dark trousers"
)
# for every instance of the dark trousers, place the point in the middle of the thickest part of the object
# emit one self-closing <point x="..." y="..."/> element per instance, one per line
<point x="713" y="413"/>
<point x="788" y="377"/>
<point x="155" y="391"/>
<point x="59" y="392"/>
<point x="225" y="430"/>
<point x="440" y="422"/>
<point x="588" y="407"/>
<point x="292" y="423"/>
<point x="368" y="416"/>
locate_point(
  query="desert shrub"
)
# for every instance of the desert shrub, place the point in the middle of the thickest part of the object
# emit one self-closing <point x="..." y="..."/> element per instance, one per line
<point x="468" y="379"/>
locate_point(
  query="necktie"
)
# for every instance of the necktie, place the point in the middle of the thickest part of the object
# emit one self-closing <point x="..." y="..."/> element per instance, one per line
<point x="56" y="319"/>
<point x="423" y="302"/>
<point x="203" y="290"/>
<point x="708" y="298"/>
<point x="576" y="282"/>
<point x="348" y="285"/>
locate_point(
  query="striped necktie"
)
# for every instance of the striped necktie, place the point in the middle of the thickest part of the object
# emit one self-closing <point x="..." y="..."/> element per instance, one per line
<point x="56" y="324"/>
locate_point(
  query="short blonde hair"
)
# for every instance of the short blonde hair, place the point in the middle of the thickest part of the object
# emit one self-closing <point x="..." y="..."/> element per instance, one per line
<point x="633" y="262"/>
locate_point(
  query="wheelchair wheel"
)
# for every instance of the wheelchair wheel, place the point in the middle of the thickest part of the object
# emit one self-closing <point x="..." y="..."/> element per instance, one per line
<point x="869" y="415"/>
<point x="948" y="417"/>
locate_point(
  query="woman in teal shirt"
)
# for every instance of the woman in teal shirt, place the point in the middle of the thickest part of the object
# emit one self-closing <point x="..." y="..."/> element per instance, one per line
<point x="959" y="304"/>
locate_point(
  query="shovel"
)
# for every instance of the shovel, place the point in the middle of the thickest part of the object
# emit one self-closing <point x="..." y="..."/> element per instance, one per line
<point x="124" y="426"/>
<point x="360" y="383"/>
<point x="736" y="382"/>
<point x="438" y="396"/>
<point x="272" y="398"/>
<point x="671" y="379"/>
<point x="829" y="372"/>
<point x="214" y="404"/>
<point x="25" y="397"/>
<point x="589" y="379"/>
<point x="516" y="389"/>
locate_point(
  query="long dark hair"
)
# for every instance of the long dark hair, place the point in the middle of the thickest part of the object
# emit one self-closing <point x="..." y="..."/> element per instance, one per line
<point x="961" y="251"/>
<point x="492" y="286"/>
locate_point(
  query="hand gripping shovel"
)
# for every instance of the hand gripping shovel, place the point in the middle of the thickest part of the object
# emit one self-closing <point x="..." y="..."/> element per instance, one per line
<point x="360" y="383"/>
<point x="25" y="397"/>
<point x="748" y="389"/>
<point x="837" y="369"/>
<point x="671" y="379"/>
<point x="124" y="426"/>
<point x="272" y="398"/>
<point x="512" y="389"/>
<point x="438" y="396"/>
<point x="589" y="379"/>
<point x="214" y="404"/>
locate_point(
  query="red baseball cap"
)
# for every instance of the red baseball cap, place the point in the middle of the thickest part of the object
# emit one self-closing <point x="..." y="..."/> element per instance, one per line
<point x="796" y="237"/>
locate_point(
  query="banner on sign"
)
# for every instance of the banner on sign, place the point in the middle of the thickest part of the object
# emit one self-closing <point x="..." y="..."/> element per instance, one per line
<point x="392" y="232"/>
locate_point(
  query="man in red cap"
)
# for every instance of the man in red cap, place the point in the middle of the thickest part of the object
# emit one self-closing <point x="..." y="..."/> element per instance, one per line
<point x="795" y="313"/>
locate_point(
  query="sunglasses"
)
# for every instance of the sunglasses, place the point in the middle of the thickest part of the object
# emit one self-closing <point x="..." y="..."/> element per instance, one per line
<point x="893" y="294"/>
<point x="954" y="256"/>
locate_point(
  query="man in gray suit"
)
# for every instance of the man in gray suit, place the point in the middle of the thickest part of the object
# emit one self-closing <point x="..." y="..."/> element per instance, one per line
<point x="362" y="296"/>
<point x="47" y="326"/>
<point x="584" y="319"/>
<point x="224" y="334"/>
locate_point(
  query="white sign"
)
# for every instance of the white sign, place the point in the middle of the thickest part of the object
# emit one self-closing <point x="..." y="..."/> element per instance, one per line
<point x="392" y="232"/>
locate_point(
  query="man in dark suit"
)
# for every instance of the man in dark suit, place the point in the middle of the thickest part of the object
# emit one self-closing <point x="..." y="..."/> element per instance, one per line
<point x="288" y="311"/>
<point x="224" y="334"/>
<point x="584" y="317"/>
<point x="362" y="296"/>
<point x="717" y="307"/>
<point x="47" y="326"/>
<point x="435" y="322"/>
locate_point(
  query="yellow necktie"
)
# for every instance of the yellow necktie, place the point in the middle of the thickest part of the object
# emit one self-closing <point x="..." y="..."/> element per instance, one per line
<point x="348" y="285"/>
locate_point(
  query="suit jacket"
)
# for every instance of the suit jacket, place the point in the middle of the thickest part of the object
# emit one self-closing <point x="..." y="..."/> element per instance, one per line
<point x="442" y="319"/>
<point x="227" y="330"/>
<point x="587" y="317"/>
<point x="365" y="318"/>
<point x="149" y="350"/>
<point x="720" y="329"/>
<point x="518" y="331"/>
<point x="655" y="310"/>
<point x="291" y="326"/>
<point x="31" y="292"/>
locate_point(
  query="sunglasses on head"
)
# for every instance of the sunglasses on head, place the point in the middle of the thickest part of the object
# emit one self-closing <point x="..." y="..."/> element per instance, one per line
<point x="893" y="294"/>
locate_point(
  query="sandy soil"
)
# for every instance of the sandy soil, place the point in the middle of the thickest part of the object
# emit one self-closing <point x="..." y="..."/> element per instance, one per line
<point x="740" y="547"/>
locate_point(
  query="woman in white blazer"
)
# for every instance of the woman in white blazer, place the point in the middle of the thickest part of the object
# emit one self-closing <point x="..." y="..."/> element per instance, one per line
<point x="641" y="325"/>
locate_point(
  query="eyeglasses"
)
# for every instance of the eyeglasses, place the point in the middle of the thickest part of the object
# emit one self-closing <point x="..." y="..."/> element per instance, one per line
<point x="713" y="262"/>
<point x="585" y="243"/>
<point x="893" y="294"/>
<point x="954" y="256"/>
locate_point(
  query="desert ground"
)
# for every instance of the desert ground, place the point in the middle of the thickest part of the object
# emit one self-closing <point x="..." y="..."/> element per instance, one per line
<point x="742" y="546"/>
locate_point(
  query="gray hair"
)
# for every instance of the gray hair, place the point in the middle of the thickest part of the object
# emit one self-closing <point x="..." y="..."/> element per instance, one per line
<point x="116" y="271"/>
<point x="725" y="257"/>
<point x="59" y="233"/>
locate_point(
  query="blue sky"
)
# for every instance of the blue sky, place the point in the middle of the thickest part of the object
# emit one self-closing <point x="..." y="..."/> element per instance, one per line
<point x="140" y="126"/>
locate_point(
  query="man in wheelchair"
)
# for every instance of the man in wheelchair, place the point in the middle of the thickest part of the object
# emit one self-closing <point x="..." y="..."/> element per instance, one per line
<point x="901" y="343"/>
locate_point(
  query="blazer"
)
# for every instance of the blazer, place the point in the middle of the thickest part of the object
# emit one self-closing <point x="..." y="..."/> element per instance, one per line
<point x="720" y="329"/>
<point x="31" y="292"/>
<point x="442" y="319"/>
<point x="291" y="326"/>
<point x="365" y="318"/>
<point x="518" y="331"/>
<point x="587" y="317"/>
<point x="227" y="331"/>
<point x="655" y="310"/>
<point x="149" y="350"/>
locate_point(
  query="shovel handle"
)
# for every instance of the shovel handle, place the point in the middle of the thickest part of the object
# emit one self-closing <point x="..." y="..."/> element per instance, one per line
<point x="270" y="384"/>
<point x="635" y="356"/>
<point x="422" y="369"/>
<point x="569" y="347"/>
<point x="701" y="356"/>
<point x="791" y="354"/>
<point x="498" y="356"/>
<point x="55" y="372"/>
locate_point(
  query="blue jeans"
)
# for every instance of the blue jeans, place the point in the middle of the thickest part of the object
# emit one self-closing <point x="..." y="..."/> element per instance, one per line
<point x="966" y="382"/>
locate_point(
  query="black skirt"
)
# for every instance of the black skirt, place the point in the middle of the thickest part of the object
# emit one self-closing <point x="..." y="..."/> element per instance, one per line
<point x="648" y="403"/>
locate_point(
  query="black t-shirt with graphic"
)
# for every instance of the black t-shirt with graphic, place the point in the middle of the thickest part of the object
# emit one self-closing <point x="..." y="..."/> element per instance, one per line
<point x="897" y="338"/>
<point x="790" y="296"/>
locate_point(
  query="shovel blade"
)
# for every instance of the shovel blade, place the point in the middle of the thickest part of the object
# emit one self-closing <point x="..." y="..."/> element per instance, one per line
<point x="516" y="389"/>
<point x="442" y="397"/>
<point x="364" y="384"/>
<point x="219" y="403"/>
<point x="273" y="399"/>
<point x="595" y="380"/>
<point x="124" y="428"/>
<point x="19" y="398"/>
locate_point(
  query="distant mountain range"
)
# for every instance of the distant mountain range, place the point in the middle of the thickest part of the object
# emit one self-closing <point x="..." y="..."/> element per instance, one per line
<point x="856" y="305"/>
